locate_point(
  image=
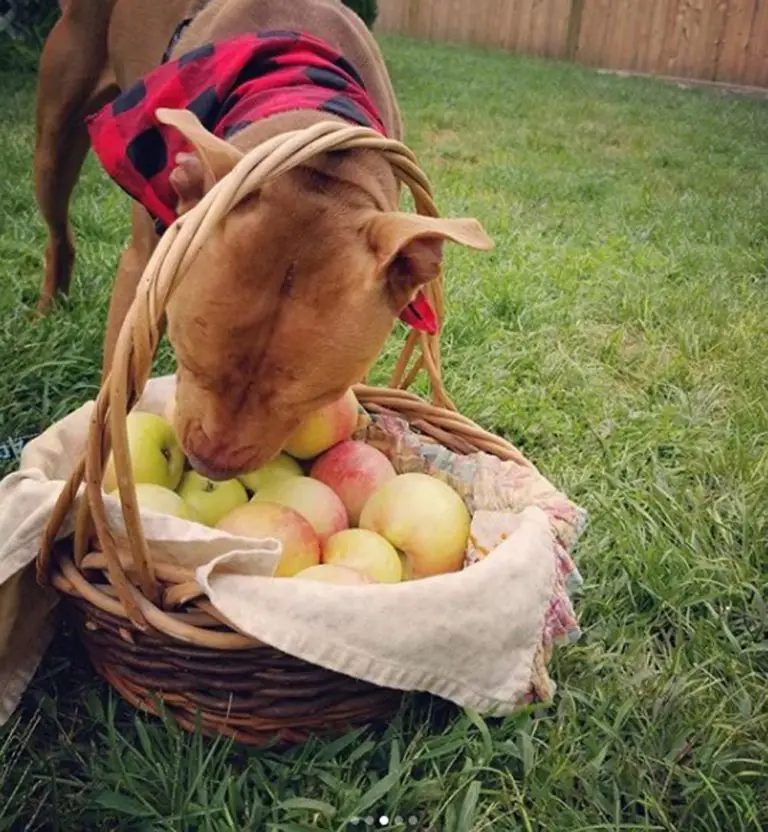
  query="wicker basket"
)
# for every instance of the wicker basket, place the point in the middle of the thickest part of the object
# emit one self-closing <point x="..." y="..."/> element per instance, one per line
<point x="147" y="627"/>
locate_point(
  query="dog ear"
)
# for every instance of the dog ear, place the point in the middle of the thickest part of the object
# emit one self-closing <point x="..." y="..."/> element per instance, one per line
<point x="409" y="247"/>
<point x="196" y="173"/>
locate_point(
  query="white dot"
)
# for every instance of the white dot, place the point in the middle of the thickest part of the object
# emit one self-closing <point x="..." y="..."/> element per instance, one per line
<point x="369" y="820"/>
<point x="398" y="819"/>
<point x="413" y="820"/>
<point x="383" y="821"/>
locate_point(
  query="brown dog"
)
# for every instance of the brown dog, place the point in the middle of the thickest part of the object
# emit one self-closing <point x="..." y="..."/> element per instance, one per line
<point x="293" y="297"/>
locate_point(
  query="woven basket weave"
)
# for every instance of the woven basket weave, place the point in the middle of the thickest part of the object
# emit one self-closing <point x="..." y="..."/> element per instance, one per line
<point x="147" y="627"/>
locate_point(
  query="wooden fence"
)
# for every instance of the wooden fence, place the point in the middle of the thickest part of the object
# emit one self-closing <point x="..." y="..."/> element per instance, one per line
<point x="711" y="40"/>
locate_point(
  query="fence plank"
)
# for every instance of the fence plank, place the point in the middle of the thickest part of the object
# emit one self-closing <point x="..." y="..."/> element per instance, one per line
<point x="703" y="52"/>
<point x="558" y="32"/>
<point x="640" y="51"/>
<point x="557" y="37"/>
<point x="452" y="19"/>
<point x="652" y="52"/>
<point x="575" y="15"/>
<point x="388" y="18"/>
<point x="510" y="25"/>
<point x="689" y="60"/>
<point x="495" y="23"/>
<point x="695" y="33"/>
<point x="622" y="42"/>
<point x="590" y="37"/>
<point x="668" y="37"/>
<point x="426" y="18"/>
<point x="736" y="40"/>
<point x="481" y="33"/>
<point x="523" y="23"/>
<point x="638" y="34"/>
<point x="756" y="69"/>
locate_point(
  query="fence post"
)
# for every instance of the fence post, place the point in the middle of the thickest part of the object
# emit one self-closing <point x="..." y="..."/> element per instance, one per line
<point x="574" y="29"/>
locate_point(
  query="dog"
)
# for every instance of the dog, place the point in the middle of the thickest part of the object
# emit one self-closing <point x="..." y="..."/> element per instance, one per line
<point x="293" y="297"/>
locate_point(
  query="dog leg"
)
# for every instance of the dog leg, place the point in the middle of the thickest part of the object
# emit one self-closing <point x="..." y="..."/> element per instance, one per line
<point x="72" y="82"/>
<point x="133" y="261"/>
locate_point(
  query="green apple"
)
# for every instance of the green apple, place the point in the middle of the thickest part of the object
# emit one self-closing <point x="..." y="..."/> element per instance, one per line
<point x="211" y="500"/>
<point x="280" y="468"/>
<point x="156" y="455"/>
<point x="160" y="499"/>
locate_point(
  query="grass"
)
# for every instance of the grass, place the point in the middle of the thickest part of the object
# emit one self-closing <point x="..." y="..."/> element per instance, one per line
<point x="618" y="335"/>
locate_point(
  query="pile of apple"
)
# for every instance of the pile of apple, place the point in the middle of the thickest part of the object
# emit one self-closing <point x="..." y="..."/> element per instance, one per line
<point x="337" y="506"/>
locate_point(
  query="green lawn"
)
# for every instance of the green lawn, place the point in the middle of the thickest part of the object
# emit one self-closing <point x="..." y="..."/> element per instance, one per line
<point x="618" y="334"/>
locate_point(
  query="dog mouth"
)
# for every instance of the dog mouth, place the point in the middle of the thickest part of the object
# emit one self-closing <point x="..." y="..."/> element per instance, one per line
<point x="212" y="472"/>
<point x="221" y="468"/>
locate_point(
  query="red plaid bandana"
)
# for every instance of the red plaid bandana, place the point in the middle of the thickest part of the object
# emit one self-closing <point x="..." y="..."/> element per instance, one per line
<point x="228" y="85"/>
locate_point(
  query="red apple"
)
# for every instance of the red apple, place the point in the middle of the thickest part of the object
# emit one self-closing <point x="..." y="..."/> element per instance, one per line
<point x="324" y="428"/>
<point x="423" y="517"/>
<point x="301" y="547"/>
<point x="354" y="470"/>
<point x="312" y="499"/>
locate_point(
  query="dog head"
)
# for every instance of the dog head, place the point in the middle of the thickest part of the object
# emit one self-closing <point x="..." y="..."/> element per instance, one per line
<point x="292" y="297"/>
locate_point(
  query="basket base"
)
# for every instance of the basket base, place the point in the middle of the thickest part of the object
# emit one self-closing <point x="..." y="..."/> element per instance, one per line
<point x="257" y="697"/>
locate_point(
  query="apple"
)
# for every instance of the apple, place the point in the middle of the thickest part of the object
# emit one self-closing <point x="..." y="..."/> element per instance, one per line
<point x="365" y="551"/>
<point x="301" y="548"/>
<point x="354" y="470"/>
<point x="283" y="466"/>
<point x="208" y="499"/>
<point x="324" y="428"/>
<point x="156" y="455"/>
<point x="331" y="573"/>
<point x="312" y="499"/>
<point x="423" y="517"/>
<point x="160" y="499"/>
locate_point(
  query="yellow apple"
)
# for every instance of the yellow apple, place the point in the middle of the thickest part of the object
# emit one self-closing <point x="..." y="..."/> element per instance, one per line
<point x="330" y="573"/>
<point x="324" y="428"/>
<point x="208" y="499"/>
<point x="354" y="470"/>
<point x="283" y="466"/>
<point x="424" y="518"/>
<point x="312" y="499"/>
<point x="301" y="548"/>
<point x="156" y="455"/>
<point x="365" y="551"/>
<point x="162" y="500"/>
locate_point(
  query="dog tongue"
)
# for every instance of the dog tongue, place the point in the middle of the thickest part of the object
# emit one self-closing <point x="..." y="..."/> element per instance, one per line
<point x="420" y="315"/>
